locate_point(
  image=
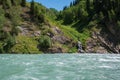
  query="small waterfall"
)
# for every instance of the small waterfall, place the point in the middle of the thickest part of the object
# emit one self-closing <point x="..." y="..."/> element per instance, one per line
<point x="80" y="50"/>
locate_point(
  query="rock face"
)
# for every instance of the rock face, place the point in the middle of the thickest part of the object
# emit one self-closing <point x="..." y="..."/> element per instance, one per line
<point x="113" y="29"/>
<point x="110" y="44"/>
<point x="56" y="30"/>
<point x="59" y="36"/>
<point x="80" y="47"/>
<point x="28" y="30"/>
<point x="55" y="50"/>
<point x="93" y="46"/>
<point x="61" y="39"/>
<point x="102" y="42"/>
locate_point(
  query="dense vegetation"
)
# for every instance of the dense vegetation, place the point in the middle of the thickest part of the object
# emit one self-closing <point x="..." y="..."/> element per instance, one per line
<point x="12" y="14"/>
<point x="104" y="11"/>
<point x="57" y="31"/>
<point x="99" y="14"/>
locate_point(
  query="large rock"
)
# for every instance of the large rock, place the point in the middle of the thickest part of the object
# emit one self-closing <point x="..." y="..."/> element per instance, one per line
<point x="61" y="39"/>
<point x="93" y="46"/>
<point x="55" y="50"/>
<point x="102" y="42"/>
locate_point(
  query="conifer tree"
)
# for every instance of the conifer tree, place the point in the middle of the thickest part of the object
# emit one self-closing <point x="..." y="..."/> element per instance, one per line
<point x="32" y="7"/>
<point x="1" y="1"/>
<point x="4" y="4"/>
<point x="13" y="2"/>
<point x="88" y="6"/>
<point x="65" y="8"/>
<point x="71" y="4"/>
<point x="23" y="3"/>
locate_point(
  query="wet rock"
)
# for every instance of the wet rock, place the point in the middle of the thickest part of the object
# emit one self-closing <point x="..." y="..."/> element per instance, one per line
<point x="37" y="33"/>
<point x="28" y="31"/>
<point x="61" y="39"/>
<point x="93" y="46"/>
<point x="55" y="50"/>
<point x="51" y="35"/>
<point x="56" y="30"/>
<point x="102" y="42"/>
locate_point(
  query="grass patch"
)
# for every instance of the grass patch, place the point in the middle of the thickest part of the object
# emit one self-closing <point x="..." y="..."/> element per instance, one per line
<point x="25" y="45"/>
<point x="75" y="35"/>
<point x="72" y="32"/>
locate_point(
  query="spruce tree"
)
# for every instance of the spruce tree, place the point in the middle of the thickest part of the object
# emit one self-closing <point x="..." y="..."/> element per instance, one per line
<point x="13" y="2"/>
<point x="65" y="8"/>
<point x="88" y="6"/>
<point x="4" y="4"/>
<point x="71" y="4"/>
<point x="32" y="7"/>
<point x="23" y="3"/>
<point x="1" y="1"/>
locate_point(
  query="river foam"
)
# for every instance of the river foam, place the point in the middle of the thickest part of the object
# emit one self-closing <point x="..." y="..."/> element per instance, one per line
<point x="60" y="67"/>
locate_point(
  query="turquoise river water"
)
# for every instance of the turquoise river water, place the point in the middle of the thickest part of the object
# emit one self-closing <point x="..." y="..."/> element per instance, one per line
<point x="60" y="67"/>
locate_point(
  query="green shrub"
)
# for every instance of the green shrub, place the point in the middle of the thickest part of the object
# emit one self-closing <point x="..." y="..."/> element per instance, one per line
<point x="1" y="47"/>
<point x="9" y="43"/>
<point x="6" y="4"/>
<point x="14" y="31"/>
<point x="68" y="16"/>
<point x="13" y="2"/>
<point x="37" y="15"/>
<point x="2" y="22"/>
<point x="32" y="7"/>
<point x="44" y="42"/>
<point x="3" y="35"/>
<point x="14" y="15"/>
<point x="23" y="3"/>
<point x="2" y="18"/>
<point x="40" y="18"/>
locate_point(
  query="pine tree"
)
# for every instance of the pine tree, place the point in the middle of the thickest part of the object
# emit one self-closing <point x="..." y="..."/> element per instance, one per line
<point x="23" y="3"/>
<point x="88" y="6"/>
<point x="1" y="1"/>
<point x="65" y="8"/>
<point x="4" y="4"/>
<point x="76" y="2"/>
<point x="32" y="8"/>
<point x="71" y="4"/>
<point x="13" y="2"/>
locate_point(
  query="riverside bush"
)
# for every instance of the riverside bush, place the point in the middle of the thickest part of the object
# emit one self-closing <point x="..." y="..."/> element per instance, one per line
<point x="2" y="18"/>
<point x="14" y="15"/>
<point x="1" y="47"/>
<point x="9" y="43"/>
<point x="44" y="42"/>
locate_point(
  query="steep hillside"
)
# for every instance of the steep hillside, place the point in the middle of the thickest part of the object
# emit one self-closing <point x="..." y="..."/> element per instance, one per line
<point x="101" y="18"/>
<point x="29" y="27"/>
